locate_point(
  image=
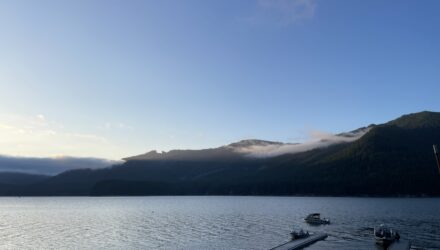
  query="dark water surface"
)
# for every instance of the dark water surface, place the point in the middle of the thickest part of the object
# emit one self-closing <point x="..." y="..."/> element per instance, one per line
<point x="211" y="222"/>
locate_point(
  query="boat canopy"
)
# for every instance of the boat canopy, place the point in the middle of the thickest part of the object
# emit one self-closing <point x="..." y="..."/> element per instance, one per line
<point x="315" y="214"/>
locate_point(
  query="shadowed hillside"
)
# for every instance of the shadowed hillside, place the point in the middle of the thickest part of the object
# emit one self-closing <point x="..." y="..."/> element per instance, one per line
<point x="394" y="158"/>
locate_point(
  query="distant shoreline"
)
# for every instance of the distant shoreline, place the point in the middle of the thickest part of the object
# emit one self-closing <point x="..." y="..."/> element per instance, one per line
<point x="171" y="195"/>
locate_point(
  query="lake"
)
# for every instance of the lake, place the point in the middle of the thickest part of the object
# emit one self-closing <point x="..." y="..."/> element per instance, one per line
<point x="209" y="222"/>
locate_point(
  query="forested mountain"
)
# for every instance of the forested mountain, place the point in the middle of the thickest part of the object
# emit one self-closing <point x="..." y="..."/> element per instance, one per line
<point x="394" y="158"/>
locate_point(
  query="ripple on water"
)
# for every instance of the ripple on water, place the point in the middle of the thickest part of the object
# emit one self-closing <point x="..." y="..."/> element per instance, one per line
<point x="208" y="222"/>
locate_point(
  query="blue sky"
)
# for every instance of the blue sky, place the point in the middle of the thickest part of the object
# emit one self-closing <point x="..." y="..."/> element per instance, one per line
<point x="117" y="78"/>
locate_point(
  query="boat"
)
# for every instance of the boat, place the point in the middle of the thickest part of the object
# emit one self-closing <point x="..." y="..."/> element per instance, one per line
<point x="299" y="234"/>
<point x="384" y="235"/>
<point x="316" y="219"/>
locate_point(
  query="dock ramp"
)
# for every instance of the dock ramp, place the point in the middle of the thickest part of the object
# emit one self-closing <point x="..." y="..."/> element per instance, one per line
<point x="400" y="245"/>
<point x="301" y="243"/>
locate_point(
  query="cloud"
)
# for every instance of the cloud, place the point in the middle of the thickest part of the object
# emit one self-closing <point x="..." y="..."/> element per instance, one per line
<point x="24" y="135"/>
<point x="50" y="165"/>
<point x="316" y="140"/>
<point x="41" y="117"/>
<point x="283" y="12"/>
<point x="116" y="125"/>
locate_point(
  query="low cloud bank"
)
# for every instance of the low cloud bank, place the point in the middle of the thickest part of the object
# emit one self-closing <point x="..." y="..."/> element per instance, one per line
<point x="317" y="140"/>
<point x="50" y="166"/>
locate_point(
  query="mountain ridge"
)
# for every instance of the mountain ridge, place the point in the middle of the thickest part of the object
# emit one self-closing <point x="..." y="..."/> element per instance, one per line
<point x="389" y="159"/>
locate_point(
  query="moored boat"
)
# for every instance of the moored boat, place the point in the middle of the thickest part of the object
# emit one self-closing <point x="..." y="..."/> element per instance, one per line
<point x="316" y="219"/>
<point x="299" y="234"/>
<point x="384" y="235"/>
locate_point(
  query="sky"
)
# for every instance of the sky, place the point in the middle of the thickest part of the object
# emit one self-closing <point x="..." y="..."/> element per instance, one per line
<point x="112" y="79"/>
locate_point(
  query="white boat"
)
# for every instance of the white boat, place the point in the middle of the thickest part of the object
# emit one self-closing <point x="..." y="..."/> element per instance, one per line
<point x="384" y="235"/>
<point x="316" y="219"/>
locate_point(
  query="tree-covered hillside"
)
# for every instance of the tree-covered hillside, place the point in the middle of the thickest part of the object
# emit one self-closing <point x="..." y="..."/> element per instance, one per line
<point x="391" y="159"/>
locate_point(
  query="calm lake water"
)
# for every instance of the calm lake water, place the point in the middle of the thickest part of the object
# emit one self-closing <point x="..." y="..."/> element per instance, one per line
<point x="208" y="222"/>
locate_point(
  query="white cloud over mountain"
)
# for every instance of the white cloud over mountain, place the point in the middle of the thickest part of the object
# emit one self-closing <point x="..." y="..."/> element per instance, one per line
<point x="317" y="140"/>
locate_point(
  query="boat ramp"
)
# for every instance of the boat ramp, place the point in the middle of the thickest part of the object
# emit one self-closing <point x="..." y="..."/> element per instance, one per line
<point x="301" y="243"/>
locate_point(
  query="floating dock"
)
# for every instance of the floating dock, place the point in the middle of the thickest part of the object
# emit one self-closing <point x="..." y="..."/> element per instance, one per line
<point x="400" y="245"/>
<point x="301" y="243"/>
